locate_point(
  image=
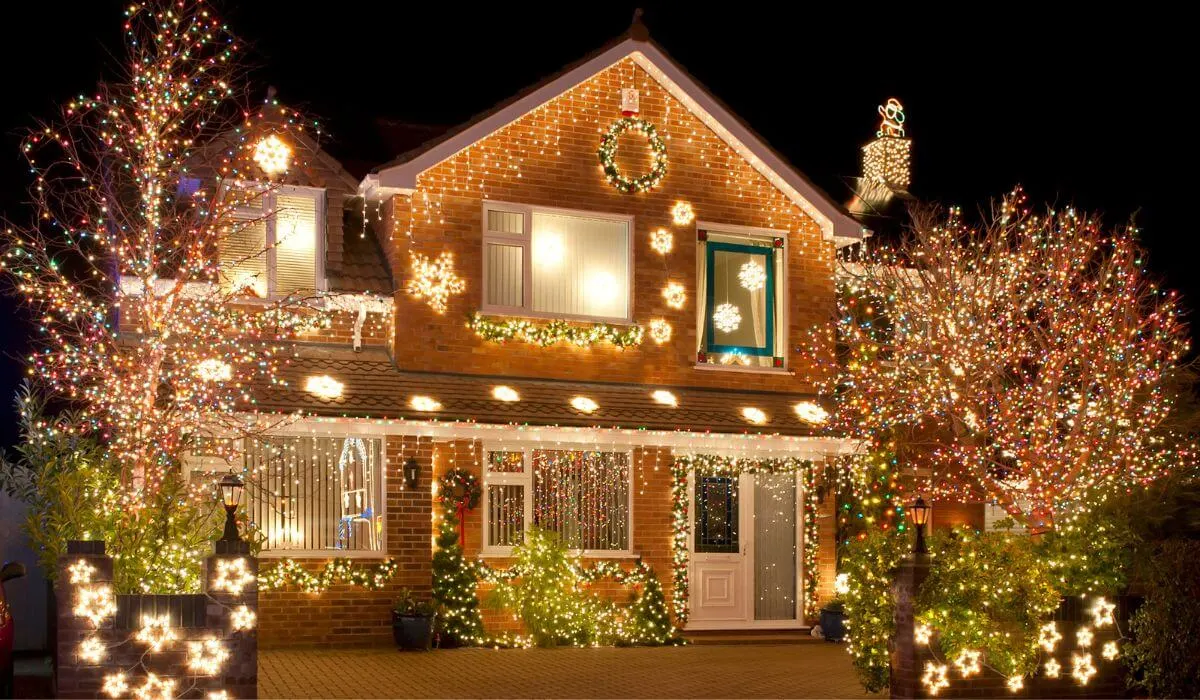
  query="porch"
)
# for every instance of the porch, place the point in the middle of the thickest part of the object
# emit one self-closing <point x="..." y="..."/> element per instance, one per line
<point x="811" y="669"/>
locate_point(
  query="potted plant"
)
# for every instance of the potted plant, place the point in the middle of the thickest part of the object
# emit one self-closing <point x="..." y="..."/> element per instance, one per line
<point x="412" y="622"/>
<point x="833" y="620"/>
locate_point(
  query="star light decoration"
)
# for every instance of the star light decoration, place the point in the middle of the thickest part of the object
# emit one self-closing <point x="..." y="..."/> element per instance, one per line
<point x="95" y="602"/>
<point x="156" y="688"/>
<point x="660" y="331"/>
<point x="206" y="657"/>
<point x="675" y="295"/>
<point x="92" y="650"/>
<point x="1110" y="651"/>
<point x="1049" y="637"/>
<point x="922" y="634"/>
<point x="81" y="571"/>
<point x="1082" y="668"/>
<point x="1053" y="668"/>
<point x="662" y="241"/>
<point x="1102" y="612"/>
<point x="752" y="276"/>
<point x="1015" y="683"/>
<point x="233" y="575"/>
<point x="1084" y="636"/>
<point x="967" y="662"/>
<point x="435" y="280"/>
<point x="242" y="618"/>
<point x="934" y="678"/>
<point x="156" y="632"/>
<point x="726" y="318"/>
<point x="115" y="685"/>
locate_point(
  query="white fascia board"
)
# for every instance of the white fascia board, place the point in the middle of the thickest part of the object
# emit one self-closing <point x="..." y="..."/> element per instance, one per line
<point x="835" y="225"/>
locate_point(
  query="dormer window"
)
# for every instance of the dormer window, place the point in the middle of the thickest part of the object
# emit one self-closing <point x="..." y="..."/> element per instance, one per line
<point x="277" y="243"/>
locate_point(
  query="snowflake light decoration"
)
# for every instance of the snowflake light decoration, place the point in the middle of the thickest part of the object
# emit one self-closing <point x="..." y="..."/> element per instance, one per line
<point x="91" y="650"/>
<point x="272" y="155"/>
<point x="660" y="331"/>
<point x="242" y="618"/>
<point x="156" y="688"/>
<point x="662" y="241"/>
<point x="95" y="603"/>
<point x="1049" y="637"/>
<point x="675" y="295"/>
<point x="1053" y="668"/>
<point x="81" y="571"/>
<point x="115" y="685"/>
<point x="156" y="632"/>
<point x="435" y="280"/>
<point x="967" y="662"/>
<point x="752" y="276"/>
<point x="206" y="657"/>
<point x="727" y="318"/>
<point x="934" y="678"/>
<point x="232" y="576"/>
<point x="1082" y="668"/>
<point x="1102" y="612"/>
<point x="682" y="214"/>
<point x="922" y="634"/>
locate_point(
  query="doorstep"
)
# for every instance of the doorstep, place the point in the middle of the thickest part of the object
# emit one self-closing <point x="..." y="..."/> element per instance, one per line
<point x="760" y="636"/>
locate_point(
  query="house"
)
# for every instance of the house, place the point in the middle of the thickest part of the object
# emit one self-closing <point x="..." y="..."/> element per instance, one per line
<point x="589" y="297"/>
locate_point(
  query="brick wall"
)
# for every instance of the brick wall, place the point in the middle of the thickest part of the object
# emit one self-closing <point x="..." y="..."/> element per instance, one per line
<point x="548" y="157"/>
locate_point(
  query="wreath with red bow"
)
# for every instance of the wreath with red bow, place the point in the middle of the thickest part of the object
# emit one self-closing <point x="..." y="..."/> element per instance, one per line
<point x="458" y="492"/>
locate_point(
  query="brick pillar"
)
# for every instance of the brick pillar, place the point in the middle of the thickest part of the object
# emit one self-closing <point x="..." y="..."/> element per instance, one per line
<point x="906" y="658"/>
<point x="86" y="562"/>
<point x="240" y="673"/>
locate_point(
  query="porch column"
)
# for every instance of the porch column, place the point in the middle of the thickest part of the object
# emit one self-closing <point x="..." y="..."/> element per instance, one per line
<point x="907" y="659"/>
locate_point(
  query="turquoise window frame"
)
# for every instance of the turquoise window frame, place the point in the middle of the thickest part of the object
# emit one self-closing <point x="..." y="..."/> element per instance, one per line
<point x="768" y="252"/>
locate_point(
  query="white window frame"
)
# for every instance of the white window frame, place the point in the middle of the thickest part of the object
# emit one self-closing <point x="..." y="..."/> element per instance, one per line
<point x="525" y="242"/>
<point x="525" y="479"/>
<point x="781" y="319"/>
<point x="244" y="213"/>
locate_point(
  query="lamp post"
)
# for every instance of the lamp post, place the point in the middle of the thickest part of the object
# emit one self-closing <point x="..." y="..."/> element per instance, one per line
<point x="412" y="473"/>
<point x="231" y="494"/>
<point x="920" y="515"/>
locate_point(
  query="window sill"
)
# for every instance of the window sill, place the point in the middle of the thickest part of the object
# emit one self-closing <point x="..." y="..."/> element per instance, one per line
<point x="744" y="370"/>
<point x="573" y="553"/>
<point x="321" y="554"/>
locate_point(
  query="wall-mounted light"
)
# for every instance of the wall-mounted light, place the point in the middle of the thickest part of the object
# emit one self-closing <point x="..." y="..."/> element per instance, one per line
<point x="412" y="473"/>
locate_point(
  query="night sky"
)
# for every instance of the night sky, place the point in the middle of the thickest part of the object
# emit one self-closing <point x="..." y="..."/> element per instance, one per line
<point x="1089" y="110"/>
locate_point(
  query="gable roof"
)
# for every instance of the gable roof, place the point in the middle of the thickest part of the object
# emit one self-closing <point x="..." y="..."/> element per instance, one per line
<point x="836" y="224"/>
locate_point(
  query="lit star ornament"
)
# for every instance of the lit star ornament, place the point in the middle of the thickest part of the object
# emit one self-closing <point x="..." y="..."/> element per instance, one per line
<point x="206" y="657"/>
<point x="115" y="685"/>
<point x="934" y="678"/>
<point x="1083" y="636"/>
<point x="1049" y="637"/>
<point x="752" y="276"/>
<point x="273" y="155"/>
<point x="675" y="295"/>
<point x="91" y="650"/>
<point x="1102" y="612"/>
<point x="156" y="632"/>
<point x="1082" y="668"/>
<point x="81" y="571"/>
<point x="967" y="662"/>
<point x="1015" y="683"/>
<point x="96" y="603"/>
<point x="1053" y="668"/>
<point x="242" y="618"/>
<point x="1110" y="651"/>
<point x="435" y="280"/>
<point x="156" y="688"/>
<point x="662" y="241"/>
<point x="727" y="318"/>
<point x="232" y="576"/>
<point x="922" y="634"/>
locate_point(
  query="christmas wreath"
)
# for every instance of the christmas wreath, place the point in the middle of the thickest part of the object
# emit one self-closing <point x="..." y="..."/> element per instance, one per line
<point x="458" y="492"/>
<point x="608" y="153"/>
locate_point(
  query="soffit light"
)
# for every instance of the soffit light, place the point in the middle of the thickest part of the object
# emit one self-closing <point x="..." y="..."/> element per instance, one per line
<point x="583" y="404"/>
<point x="505" y="393"/>
<point x="754" y="415"/>
<point x="425" y="403"/>
<point x="665" y="398"/>
<point x="810" y="412"/>
<point x="324" y="386"/>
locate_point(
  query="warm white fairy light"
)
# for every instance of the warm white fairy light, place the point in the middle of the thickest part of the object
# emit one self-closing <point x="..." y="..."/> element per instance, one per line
<point x="1102" y="612"/>
<point x="324" y="386"/>
<point x="584" y="404"/>
<point x="1053" y="668"/>
<point x="752" y="276"/>
<point x="922" y="634"/>
<point x="841" y="586"/>
<point x="242" y="618"/>
<point x="156" y="688"/>
<point x="92" y="650"/>
<point x="156" y="632"/>
<point x="1110" y="651"/>
<point x="810" y="412"/>
<point x="272" y="155"/>
<point x="682" y="214"/>
<point x="1049" y="637"/>
<point x="754" y="415"/>
<point x="214" y="370"/>
<point x="424" y="403"/>
<point x="886" y="161"/>
<point x="96" y="603"/>
<point x="660" y="331"/>
<point x="505" y="393"/>
<point x="735" y="358"/>
<point x="233" y="575"/>
<point x="1015" y="683"/>
<point x="968" y="662"/>
<point x="81" y="571"/>
<point x="662" y="241"/>
<point x="675" y="295"/>
<point x="205" y="657"/>
<point x="726" y="318"/>
<point x="664" y="397"/>
<point x="218" y="695"/>
<point x="934" y="678"/>
<point x="1084" y="636"/>
<point x="115" y="685"/>
<point x="435" y="280"/>
<point x="1082" y="668"/>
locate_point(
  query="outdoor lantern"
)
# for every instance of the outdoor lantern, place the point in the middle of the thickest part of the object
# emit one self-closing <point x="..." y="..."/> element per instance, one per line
<point x="920" y="516"/>
<point x="412" y="472"/>
<point x="231" y="494"/>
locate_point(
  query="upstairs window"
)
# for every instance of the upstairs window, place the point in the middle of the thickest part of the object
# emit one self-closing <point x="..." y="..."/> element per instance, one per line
<point x="275" y="245"/>
<point x="741" y="298"/>
<point x="553" y="263"/>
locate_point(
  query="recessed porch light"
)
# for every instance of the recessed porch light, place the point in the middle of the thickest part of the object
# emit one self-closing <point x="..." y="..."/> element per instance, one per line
<point x="583" y="404"/>
<point x="754" y="415"/>
<point x="505" y="393"/>
<point x="664" y="397"/>
<point x="424" y="403"/>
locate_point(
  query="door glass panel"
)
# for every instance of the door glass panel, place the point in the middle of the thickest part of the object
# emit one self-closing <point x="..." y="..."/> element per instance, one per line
<point x="716" y="514"/>
<point x="775" y="547"/>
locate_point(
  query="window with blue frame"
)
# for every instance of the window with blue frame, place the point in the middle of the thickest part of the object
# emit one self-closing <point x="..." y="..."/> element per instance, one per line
<point x="741" y="304"/>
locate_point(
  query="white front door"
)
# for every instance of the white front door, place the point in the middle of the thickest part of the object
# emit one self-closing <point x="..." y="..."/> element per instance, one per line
<point x="744" y="569"/>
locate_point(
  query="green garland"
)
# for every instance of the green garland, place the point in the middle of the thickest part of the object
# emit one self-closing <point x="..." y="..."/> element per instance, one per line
<point x="733" y="466"/>
<point x="608" y="152"/>
<point x="289" y="572"/>
<point x="551" y="332"/>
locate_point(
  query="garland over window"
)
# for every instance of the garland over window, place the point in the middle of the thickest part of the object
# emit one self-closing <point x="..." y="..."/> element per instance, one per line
<point x="732" y="466"/>
<point x="551" y="332"/>
<point x="608" y="153"/>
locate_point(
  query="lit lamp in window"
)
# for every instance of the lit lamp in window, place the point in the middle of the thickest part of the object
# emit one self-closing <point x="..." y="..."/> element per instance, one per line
<point x="920" y="515"/>
<point x="412" y="473"/>
<point x="231" y="494"/>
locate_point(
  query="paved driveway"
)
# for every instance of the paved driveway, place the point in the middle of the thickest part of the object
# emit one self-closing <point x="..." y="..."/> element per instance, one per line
<point x="814" y="670"/>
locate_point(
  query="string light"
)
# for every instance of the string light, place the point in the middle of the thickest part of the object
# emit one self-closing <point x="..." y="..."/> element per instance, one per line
<point x="116" y="685"/>
<point x="289" y="572"/>
<point x="214" y="370"/>
<point x="95" y="602"/>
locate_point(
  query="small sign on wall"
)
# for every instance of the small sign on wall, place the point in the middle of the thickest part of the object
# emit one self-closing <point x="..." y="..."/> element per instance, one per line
<point x="629" y="101"/>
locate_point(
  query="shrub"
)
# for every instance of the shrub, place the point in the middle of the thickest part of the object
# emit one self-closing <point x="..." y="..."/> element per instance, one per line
<point x="1164" y="656"/>
<point x="869" y="606"/>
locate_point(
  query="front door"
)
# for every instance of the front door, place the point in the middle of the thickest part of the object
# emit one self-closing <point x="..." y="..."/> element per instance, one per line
<point x="745" y="564"/>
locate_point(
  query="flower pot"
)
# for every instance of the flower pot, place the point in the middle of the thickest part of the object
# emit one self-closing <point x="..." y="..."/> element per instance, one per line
<point x="412" y="631"/>
<point x="833" y="624"/>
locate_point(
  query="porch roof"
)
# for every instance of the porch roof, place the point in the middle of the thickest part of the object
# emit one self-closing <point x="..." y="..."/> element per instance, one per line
<point x="375" y="388"/>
